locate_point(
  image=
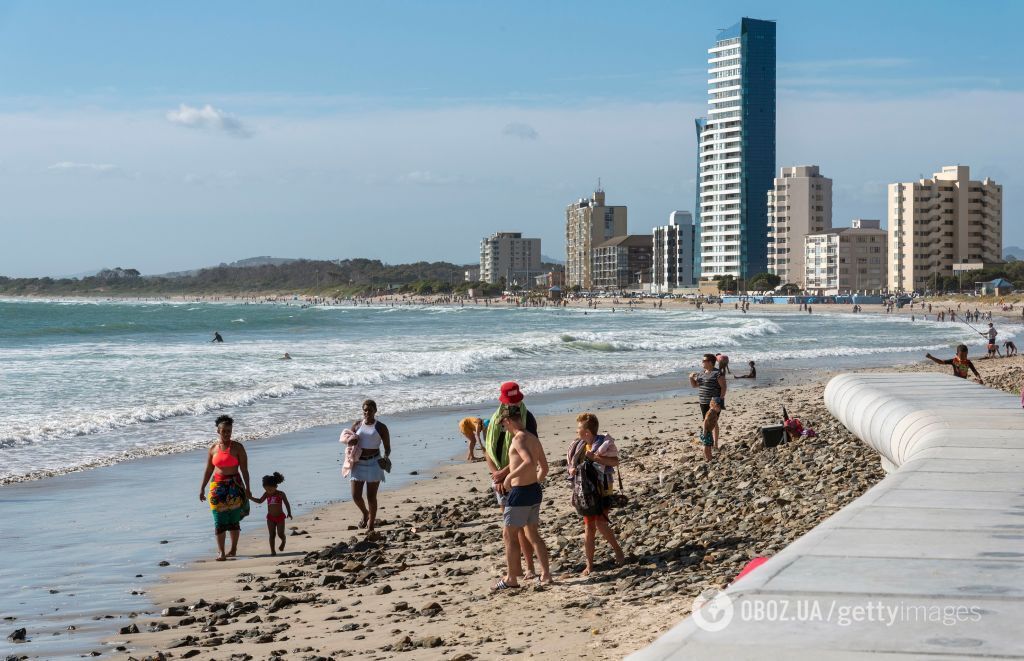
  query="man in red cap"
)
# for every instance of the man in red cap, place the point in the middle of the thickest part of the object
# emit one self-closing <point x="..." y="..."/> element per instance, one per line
<point x="496" y="447"/>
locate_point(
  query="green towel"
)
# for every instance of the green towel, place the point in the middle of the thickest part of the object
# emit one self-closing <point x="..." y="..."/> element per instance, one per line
<point x="495" y="443"/>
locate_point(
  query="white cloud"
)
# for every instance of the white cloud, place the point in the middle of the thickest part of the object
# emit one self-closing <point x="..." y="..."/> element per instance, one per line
<point x="208" y="118"/>
<point x="71" y="166"/>
<point x="428" y="178"/>
<point x="91" y="169"/>
<point x="521" y="131"/>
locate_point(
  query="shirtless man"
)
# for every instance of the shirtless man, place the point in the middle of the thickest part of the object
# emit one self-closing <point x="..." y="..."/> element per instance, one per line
<point x="528" y="466"/>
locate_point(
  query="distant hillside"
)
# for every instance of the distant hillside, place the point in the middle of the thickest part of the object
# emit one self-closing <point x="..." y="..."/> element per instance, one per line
<point x="1013" y="251"/>
<point x="251" y="261"/>
<point x="325" y="278"/>
<point x="551" y="260"/>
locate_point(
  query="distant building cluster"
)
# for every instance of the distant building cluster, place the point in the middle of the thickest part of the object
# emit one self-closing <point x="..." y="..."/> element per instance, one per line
<point x="749" y="221"/>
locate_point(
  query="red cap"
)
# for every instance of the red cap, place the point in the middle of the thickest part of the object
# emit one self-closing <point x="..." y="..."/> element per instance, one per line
<point x="510" y="393"/>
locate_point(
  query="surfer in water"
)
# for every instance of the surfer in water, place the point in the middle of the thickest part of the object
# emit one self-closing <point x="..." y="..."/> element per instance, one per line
<point x="217" y="337"/>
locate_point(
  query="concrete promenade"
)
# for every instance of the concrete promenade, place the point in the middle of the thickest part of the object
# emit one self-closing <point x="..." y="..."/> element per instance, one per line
<point x="927" y="564"/>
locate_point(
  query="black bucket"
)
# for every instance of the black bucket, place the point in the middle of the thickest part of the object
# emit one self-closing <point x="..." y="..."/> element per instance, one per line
<point x="773" y="435"/>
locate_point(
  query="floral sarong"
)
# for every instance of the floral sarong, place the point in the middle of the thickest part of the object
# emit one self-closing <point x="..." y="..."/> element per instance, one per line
<point x="228" y="502"/>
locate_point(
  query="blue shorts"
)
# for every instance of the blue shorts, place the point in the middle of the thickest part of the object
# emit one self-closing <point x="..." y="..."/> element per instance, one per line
<point x="522" y="507"/>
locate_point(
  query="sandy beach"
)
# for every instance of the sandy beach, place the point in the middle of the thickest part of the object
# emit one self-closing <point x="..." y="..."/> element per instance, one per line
<point x="421" y="588"/>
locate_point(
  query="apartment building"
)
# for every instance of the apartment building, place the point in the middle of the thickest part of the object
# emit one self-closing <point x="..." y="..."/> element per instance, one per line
<point x="589" y="223"/>
<point x="800" y="203"/>
<point x="623" y="262"/>
<point x="508" y="255"/>
<point x="672" y="266"/>
<point x="736" y="145"/>
<point x="939" y="222"/>
<point x="846" y="260"/>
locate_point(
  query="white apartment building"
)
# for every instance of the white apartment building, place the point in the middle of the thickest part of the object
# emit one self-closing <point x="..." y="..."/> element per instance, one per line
<point x="846" y="260"/>
<point x="800" y="203"/>
<point x="588" y="224"/>
<point x="736" y="145"/>
<point x="508" y="255"/>
<point x="673" y="254"/>
<point x="938" y="222"/>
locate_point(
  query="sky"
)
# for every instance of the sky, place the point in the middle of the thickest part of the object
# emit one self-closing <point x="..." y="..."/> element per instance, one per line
<point x="169" y="136"/>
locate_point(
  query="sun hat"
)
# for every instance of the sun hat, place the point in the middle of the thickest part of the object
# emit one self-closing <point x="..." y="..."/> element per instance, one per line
<point x="510" y="393"/>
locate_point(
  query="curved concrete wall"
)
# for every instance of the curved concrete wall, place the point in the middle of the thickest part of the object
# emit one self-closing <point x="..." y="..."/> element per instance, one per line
<point x="927" y="563"/>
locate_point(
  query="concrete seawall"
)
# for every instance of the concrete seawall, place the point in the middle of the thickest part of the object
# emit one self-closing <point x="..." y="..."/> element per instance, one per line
<point x="929" y="563"/>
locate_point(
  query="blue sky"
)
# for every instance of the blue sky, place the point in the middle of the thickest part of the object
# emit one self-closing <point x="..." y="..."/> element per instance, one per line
<point x="167" y="136"/>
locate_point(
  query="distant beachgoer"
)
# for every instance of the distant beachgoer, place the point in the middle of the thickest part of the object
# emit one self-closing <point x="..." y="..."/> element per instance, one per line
<point x="528" y="467"/>
<point x="960" y="363"/>
<point x="723" y="363"/>
<point x="752" y="375"/>
<point x="286" y="356"/>
<point x="991" y="333"/>
<point x="709" y="428"/>
<point x="473" y="430"/>
<point x="602" y="454"/>
<point x="370" y="468"/>
<point x="277" y="504"/>
<point x="217" y="337"/>
<point x="496" y="452"/>
<point x="711" y="383"/>
<point x="1010" y="347"/>
<point x="228" y="465"/>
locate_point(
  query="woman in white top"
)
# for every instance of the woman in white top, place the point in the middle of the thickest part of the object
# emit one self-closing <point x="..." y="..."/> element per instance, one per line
<point x="369" y="470"/>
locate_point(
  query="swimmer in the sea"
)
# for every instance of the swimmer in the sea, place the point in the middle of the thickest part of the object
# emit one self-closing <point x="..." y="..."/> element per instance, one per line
<point x="217" y="337"/>
<point x="286" y="356"/>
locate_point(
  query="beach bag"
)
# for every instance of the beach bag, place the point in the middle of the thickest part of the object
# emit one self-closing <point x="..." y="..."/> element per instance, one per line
<point x="586" y="490"/>
<point x="617" y="500"/>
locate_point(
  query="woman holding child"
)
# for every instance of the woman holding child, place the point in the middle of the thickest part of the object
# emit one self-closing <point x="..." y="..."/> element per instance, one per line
<point x="711" y="384"/>
<point x="228" y="465"/>
<point x="600" y="451"/>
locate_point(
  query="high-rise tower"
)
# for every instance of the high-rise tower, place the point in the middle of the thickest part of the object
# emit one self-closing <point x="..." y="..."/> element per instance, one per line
<point x="737" y="151"/>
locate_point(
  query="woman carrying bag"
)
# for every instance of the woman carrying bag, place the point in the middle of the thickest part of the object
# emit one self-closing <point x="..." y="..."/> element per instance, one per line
<point x="593" y="457"/>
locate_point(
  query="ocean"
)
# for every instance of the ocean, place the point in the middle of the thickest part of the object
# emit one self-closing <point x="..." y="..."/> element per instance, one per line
<point x="86" y="384"/>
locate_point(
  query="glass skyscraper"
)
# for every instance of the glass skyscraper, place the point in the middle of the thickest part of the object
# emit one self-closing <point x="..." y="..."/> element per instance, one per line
<point x="736" y="147"/>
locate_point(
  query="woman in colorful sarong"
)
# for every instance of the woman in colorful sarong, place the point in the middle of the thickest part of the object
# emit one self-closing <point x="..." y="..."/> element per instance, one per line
<point x="229" y="492"/>
<point x="370" y="468"/>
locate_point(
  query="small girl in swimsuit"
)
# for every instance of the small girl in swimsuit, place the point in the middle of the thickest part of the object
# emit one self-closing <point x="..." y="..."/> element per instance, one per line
<point x="277" y="503"/>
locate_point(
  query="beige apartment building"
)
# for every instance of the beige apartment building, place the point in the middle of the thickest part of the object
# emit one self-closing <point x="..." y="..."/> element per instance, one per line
<point x="846" y="260"/>
<point x="623" y="262"/>
<point x="799" y="204"/>
<point x="508" y="255"/>
<point x="939" y="222"/>
<point x="588" y="223"/>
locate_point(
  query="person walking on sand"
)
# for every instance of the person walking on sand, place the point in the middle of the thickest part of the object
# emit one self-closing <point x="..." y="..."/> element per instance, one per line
<point x="602" y="454"/>
<point x="711" y="383"/>
<point x="277" y="503"/>
<point x="528" y="466"/>
<point x="473" y="430"/>
<point x="370" y="468"/>
<point x="228" y="465"/>
<point x="497" y="443"/>
<point x="1010" y="347"/>
<point x="960" y="363"/>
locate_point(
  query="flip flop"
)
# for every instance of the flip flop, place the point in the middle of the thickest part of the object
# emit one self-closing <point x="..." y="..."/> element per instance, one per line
<point x="502" y="585"/>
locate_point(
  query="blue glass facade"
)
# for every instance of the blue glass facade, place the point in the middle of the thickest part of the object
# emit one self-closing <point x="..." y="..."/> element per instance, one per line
<point x="700" y="124"/>
<point x="758" y="107"/>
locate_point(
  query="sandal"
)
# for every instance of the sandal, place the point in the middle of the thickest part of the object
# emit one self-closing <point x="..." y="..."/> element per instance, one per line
<point x="502" y="585"/>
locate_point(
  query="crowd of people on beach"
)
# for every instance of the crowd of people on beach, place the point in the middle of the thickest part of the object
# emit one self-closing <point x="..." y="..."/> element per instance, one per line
<point x="516" y="462"/>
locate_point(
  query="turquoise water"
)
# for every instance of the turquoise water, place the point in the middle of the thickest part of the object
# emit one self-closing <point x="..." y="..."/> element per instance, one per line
<point x="93" y="383"/>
